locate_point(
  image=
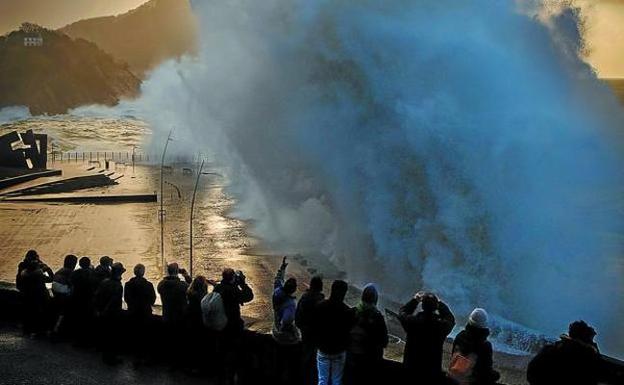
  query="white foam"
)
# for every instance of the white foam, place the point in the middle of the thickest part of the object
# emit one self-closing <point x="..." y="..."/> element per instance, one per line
<point x="14" y="114"/>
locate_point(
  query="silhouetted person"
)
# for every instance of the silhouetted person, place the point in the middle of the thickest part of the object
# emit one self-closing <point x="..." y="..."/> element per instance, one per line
<point x="61" y="289"/>
<point x="234" y="292"/>
<point x="140" y="296"/>
<point x="61" y="284"/>
<point x="108" y="304"/>
<point x="81" y="312"/>
<point x="36" y="298"/>
<point x="30" y="256"/>
<point x="197" y="353"/>
<point x="333" y="321"/>
<point x="471" y="358"/>
<point x="195" y="293"/>
<point x="304" y="318"/>
<point x="574" y="359"/>
<point x="369" y="338"/>
<point x="172" y="292"/>
<point x="285" y="332"/>
<point x="426" y="332"/>
<point x="103" y="270"/>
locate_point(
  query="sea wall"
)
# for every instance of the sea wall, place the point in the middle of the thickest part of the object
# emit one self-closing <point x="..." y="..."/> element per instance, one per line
<point x="260" y="350"/>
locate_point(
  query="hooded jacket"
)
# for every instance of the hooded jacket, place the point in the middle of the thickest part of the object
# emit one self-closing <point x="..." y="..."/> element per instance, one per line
<point x="474" y="340"/>
<point x="369" y="336"/>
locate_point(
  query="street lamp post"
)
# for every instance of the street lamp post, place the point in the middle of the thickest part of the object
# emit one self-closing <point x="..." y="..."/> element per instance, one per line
<point x="199" y="174"/>
<point x="162" y="210"/>
<point x="201" y="167"/>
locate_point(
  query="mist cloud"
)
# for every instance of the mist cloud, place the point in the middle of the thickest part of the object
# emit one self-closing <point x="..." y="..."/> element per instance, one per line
<point x="460" y="146"/>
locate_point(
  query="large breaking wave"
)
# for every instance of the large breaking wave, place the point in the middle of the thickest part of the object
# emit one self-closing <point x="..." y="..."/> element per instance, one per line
<point x="460" y="146"/>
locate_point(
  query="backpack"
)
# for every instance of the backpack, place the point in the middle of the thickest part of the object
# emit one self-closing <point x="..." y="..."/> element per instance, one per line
<point x="461" y="367"/>
<point x="213" y="311"/>
<point x="60" y="288"/>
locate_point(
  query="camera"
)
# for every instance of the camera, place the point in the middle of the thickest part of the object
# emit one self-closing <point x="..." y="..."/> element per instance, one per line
<point x="239" y="277"/>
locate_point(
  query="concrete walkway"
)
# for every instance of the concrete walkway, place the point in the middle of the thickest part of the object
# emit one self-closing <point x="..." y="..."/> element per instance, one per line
<point x="27" y="361"/>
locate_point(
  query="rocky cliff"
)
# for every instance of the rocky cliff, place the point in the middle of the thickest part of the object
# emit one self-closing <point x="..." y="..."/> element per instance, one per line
<point x="60" y="74"/>
<point x="144" y="37"/>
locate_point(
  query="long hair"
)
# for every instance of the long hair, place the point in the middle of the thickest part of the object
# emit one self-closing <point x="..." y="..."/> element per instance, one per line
<point x="198" y="288"/>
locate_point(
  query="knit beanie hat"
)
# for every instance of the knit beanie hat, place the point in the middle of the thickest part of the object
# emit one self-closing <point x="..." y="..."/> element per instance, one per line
<point x="478" y="318"/>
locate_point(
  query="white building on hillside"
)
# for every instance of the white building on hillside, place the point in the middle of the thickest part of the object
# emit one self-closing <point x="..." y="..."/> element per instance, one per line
<point x="33" y="40"/>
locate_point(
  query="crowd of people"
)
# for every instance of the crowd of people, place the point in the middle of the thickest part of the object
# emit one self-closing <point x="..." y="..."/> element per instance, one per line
<point x="317" y="340"/>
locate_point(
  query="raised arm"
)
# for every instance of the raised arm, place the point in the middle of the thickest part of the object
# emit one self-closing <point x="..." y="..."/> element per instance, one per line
<point x="447" y="317"/>
<point x="281" y="273"/>
<point x="243" y="292"/>
<point x="406" y="311"/>
<point x="187" y="278"/>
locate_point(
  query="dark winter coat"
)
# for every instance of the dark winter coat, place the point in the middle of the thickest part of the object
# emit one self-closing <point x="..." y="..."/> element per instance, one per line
<point x="473" y="340"/>
<point x="426" y="333"/>
<point x="194" y="317"/>
<point x="172" y="292"/>
<point x="333" y="321"/>
<point x="233" y="297"/>
<point x="304" y="314"/>
<point x="369" y="336"/>
<point x="108" y="298"/>
<point x="18" y="277"/>
<point x="140" y="296"/>
<point x="567" y="361"/>
<point x="33" y="286"/>
<point x="83" y="288"/>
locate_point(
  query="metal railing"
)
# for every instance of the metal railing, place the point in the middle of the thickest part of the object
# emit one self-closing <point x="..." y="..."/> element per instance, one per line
<point x="88" y="156"/>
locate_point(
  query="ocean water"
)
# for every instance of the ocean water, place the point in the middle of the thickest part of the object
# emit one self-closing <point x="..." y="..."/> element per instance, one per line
<point x="85" y="129"/>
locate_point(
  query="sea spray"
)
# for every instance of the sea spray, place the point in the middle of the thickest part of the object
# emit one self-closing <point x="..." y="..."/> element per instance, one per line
<point x="13" y="114"/>
<point x="459" y="146"/>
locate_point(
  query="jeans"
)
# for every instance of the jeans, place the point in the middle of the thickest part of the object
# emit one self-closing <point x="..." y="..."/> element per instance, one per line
<point x="330" y="368"/>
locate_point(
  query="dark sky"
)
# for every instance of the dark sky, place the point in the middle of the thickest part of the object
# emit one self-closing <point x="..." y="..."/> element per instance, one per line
<point x="57" y="13"/>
